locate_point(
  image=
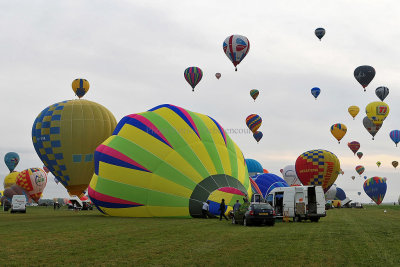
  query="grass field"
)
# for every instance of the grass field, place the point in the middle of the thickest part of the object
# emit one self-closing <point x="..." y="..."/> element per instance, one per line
<point x="346" y="237"/>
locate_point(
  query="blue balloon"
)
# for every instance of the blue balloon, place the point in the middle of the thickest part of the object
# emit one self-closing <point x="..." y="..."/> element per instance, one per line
<point x="258" y="136"/>
<point x="315" y="92"/>
<point x="340" y="194"/>
<point x="11" y="159"/>
<point x="395" y="136"/>
<point x="268" y="181"/>
<point x="253" y="166"/>
<point x="375" y="188"/>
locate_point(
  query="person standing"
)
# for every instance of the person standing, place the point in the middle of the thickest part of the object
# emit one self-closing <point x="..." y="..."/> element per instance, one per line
<point x="237" y="205"/>
<point x="205" y="209"/>
<point x="222" y="208"/>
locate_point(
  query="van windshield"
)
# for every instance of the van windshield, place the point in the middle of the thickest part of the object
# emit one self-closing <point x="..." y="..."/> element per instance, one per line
<point x="262" y="206"/>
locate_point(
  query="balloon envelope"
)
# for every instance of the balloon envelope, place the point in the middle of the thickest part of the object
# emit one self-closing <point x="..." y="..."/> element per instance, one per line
<point x="359" y="155"/>
<point x="354" y="146"/>
<point x="340" y="194"/>
<point x="10" y="179"/>
<point x="338" y="130"/>
<point x="331" y="193"/>
<point x="375" y="188"/>
<point x="253" y="121"/>
<point x="254" y="94"/>
<point x="290" y="176"/>
<point x="353" y="110"/>
<point x="193" y="76"/>
<point x="254" y="167"/>
<point x="236" y="48"/>
<point x="395" y="164"/>
<point x="377" y="112"/>
<point x="360" y="169"/>
<point x="218" y="75"/>
<point x="80" y="87"/>
<point x="65" y="136"/>
<point x="364" y="75"/>
<point x="371" y="127"/>
<point x="317" y="167"/>
<point x="315" y="92"/>
<point x="268" y="181"/>
<point x="257" y="136"/>
<point x="382" y="92"/>
<point x="378" y="163"/>
<point x="34" y="181"/>
<point x="319" y="32"/>
<point x="395" y="136"/>
<point x="11" y="159"/>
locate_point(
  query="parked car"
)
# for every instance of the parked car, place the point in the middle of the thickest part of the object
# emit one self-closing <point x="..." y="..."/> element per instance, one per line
<point x="254" y="213"/>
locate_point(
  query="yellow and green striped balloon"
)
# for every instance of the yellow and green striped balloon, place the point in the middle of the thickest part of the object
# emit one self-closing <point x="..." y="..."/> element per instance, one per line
<point x="165" y="163"/>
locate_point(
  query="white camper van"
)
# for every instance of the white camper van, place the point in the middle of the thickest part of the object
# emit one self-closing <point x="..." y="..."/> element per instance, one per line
<point x="298" y="202"/>
<point x="18" y="204"/>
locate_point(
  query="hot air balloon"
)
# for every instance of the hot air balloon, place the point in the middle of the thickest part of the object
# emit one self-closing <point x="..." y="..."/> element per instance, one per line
<point x="65" y="136"/>
<point x="265" y="171"/>
<point x="359" y="193"/>
<point x="377" y="112"/>
<point x="353" y="177"/>
<point x="253" y="121"/>
<point x="360" y="169"/>
<point x="33" y="180"/>
<point x="315" y="92"/>
<point x="353" y="110"/>
<point x="11" y="159"/>
<point x="80" y="87"/>
<point x="375" y="188"/>
<point x="10" y="179"/>
<point x="359" y="155"/>
<point x="165" y="163"/>
<point x="382" y="92"/>
<point x="338" y="130"/>
<point x="268" y="181"/>
<point x="395" y="164"/>
<point x="236" y="48"/>
<point x="378" y="163"/>
<point x="254" y="94"/>
<point x="364" y="75"/>
<point x="13" y="190"/>
<point x="317" y="167"/>
<point x="193" y="76"/>
<point x="354" y="146"/>
<point x="365" y="177"/>
<point x="395" y="136"/>
<point x="290" y="176"/>
<point x="254" y="167"/>
<point x="340" y="194"/>
<point x="371" y="127"/>
<point x="331" y="193"/>
<point x="218" y="75"/>
<point x="257" y="136"/>
<point x="319" y="32"/>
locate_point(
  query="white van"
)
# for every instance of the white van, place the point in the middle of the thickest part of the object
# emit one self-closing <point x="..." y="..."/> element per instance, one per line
<point x="18" y="204"/>
<point x="298" y="202"/>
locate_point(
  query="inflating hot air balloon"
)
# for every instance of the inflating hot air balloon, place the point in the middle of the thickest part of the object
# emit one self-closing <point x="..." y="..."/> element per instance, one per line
<point x="359" y="155"/>
<point x="377" y="112"/>
<point x="65" y="136"/>
<point x="193" y="76"/>
<point x="353" y="177"/>
<point x="218" y="75"/>
<point x="268" y="181"/>
<point x="10" y="179"/>
<point x="395" y="136"/>
<point x="371" y="127"/>
<point x="254" y="94"/>
<point x="13" y="190"/>
<point x="165" y="163"/>
<point x="331" y="193"/>
<point x="364" y="75"/>
<point x="236" y="48"/>
<point x="319" y="32"/>
<point x="11" y="159"/>
<point x="257" y="136"/>
<point x="340" y="194"/>
<point x="338" y="130"/>
<point x="378" y="163"/>
<point x="315" y="92"/>
<point x="365" y="177"/>
<point x="382" y="92"/>
<point x="290" y="176"/>
<point x="375" y="188"/>
<point x="395" y="164"/>
<point x="360" y="169"/>
<point x="318" y="167"/>
<point x="354" y="146"/>
<point x="34" y="181"/>
<point x="254" y="167"/>
<point x="80" y="87"/>
<point x="353" y="110"/>
<point x="253" y="121"/>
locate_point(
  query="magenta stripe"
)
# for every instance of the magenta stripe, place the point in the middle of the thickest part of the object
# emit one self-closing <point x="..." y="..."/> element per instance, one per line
<point x="231" y="190"/>
<point x="189" y="118"/>
<point x="110" y="199"/>
<point x="150" y="125"/>
<point x="118" y="155"/>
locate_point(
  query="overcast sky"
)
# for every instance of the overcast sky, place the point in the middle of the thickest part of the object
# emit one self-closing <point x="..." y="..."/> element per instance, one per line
<point x="134" y="53"/>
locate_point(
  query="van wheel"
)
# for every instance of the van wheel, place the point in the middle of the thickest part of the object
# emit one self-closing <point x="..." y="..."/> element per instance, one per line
<point x="271" y="223"/>
<point x="314" y="219"/>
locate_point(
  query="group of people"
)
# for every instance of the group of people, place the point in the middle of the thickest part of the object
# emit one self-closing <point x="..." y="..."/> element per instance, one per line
<point x="222" y="207"/>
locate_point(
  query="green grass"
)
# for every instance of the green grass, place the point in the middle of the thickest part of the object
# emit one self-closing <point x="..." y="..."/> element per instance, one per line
<point x="346" y="237"/>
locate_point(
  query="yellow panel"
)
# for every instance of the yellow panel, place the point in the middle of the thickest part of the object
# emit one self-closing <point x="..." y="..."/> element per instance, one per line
<point x="142" y="179"/>
<point x="163" y="151"/>
<point x="93" y="182"/>
<point x="241" y="167"/>
<point x="189" y="136"/>
<point x="149" y="211"/>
